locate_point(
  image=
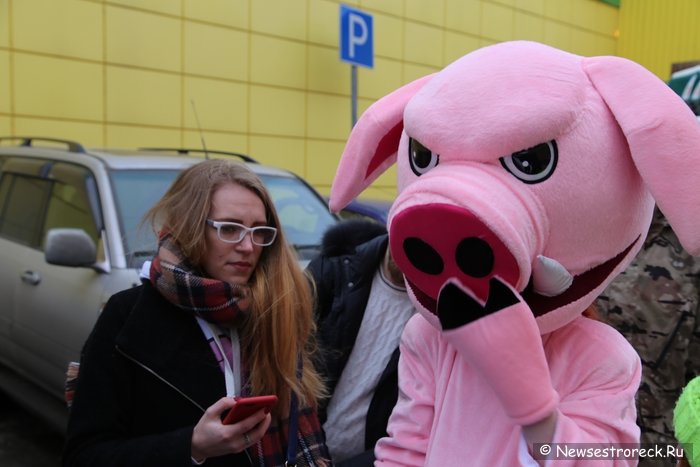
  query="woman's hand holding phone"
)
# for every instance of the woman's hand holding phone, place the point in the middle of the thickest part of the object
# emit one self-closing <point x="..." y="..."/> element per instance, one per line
<point x="212" y="438"/>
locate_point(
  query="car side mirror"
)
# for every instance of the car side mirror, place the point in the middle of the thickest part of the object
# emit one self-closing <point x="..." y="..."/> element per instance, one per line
<point x="69" y="247"/>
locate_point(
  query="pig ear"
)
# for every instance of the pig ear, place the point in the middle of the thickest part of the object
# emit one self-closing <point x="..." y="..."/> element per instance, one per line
<point x="372" y="145"/>
<point x="663" y="136"/>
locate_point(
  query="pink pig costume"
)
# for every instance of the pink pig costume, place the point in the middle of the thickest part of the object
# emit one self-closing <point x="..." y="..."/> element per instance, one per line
<point x="527" y="178"/>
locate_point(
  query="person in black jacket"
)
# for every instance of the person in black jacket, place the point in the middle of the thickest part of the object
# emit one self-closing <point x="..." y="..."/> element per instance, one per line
<point x="361" y="309"/>
<point x="225" y="311"/>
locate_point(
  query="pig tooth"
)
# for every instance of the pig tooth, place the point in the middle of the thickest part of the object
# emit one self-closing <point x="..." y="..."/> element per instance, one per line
<point x="549" y="277"/>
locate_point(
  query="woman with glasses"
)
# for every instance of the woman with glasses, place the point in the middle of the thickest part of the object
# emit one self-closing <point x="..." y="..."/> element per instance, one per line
<point x="226" y="313"/>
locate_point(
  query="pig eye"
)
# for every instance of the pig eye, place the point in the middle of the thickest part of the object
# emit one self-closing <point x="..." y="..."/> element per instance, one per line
<point x="533" y="165"/>
<point x="421" y="158"/>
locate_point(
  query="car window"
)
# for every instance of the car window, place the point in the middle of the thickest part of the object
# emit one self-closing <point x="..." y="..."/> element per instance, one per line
<point x="303" y="214"/>
<point x="38" y="195"/>
<point x="69" y="204"/>
<point x="135" y="191"/>
<point x="22" y="203"/>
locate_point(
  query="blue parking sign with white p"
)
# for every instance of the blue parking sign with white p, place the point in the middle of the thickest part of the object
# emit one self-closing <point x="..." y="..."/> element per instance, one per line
<point x="356" y="41"/>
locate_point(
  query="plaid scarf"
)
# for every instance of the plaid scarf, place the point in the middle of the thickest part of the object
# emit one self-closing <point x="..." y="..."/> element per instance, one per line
<point x="213" y="300"/>
<point x="220" y="303"/>
<point x="311" y="443"/>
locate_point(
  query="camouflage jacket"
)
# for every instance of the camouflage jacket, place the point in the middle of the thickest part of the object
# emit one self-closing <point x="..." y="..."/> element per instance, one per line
<point x="654" y="304"/>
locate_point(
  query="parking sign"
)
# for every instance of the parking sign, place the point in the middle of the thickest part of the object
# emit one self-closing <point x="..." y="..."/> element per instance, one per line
<point x="356" y="41"/>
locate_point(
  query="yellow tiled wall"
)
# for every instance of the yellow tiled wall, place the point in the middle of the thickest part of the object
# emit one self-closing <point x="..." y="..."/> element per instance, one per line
<point x="263" y="76"/>
<point x="658" y="34"/>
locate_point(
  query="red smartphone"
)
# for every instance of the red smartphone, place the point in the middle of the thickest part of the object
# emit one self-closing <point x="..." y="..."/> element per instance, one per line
<point x="247" y="406"/>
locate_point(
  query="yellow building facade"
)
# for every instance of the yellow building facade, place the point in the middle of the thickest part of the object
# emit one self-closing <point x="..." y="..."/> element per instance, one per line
<point x="264" y="77"/>
<point x="658" y="33"/>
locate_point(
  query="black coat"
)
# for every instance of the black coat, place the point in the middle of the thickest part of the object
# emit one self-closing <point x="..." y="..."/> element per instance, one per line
<point x="146" y="376"/>
<point x="343" y="275"/>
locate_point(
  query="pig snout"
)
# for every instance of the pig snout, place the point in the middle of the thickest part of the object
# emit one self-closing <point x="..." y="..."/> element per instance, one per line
<point x="439" y="244"/>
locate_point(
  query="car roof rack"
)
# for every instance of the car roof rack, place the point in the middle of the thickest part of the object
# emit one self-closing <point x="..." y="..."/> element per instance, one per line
<point x="187" y="151"/>
<point x="29" y="140"/>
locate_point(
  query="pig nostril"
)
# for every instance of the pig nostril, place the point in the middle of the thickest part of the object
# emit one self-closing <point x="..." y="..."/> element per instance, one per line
<point x="474" y="257"/>
<point x="423" y="256"/>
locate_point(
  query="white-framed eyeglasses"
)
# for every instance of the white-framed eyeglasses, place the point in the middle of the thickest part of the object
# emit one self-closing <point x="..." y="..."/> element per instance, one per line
<point x="233" y="232"/>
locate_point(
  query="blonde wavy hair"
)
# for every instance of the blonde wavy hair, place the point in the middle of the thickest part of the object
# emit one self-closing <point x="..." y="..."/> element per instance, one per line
<point x="279" y="334"/>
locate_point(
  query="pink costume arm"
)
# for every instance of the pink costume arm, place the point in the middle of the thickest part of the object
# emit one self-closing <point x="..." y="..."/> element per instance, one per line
<point x="410" y="422"/>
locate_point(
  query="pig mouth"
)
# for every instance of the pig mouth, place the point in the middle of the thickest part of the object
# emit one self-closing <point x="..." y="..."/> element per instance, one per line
<point x="539" y="304"/>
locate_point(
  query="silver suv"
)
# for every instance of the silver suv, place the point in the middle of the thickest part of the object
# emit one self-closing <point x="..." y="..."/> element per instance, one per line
<point x="70" y="237"/>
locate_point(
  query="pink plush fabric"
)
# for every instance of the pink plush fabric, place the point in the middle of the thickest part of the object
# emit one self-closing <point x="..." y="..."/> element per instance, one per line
<point x="527" y="178"/>
<point x="448" y="416"/>
<point x="494" y="346"/>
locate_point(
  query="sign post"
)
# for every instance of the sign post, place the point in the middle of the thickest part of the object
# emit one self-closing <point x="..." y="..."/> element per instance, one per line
<point x="356" y="46"/>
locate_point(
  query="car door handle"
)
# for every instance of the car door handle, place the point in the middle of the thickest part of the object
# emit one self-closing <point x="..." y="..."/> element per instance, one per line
<point x="31" y="277"/>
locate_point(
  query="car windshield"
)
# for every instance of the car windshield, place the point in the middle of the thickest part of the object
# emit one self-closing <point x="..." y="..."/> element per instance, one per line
<point x="303" y="215"/>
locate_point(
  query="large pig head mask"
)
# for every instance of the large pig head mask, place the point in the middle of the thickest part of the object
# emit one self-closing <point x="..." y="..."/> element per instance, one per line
<point x="524" y="165"/>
